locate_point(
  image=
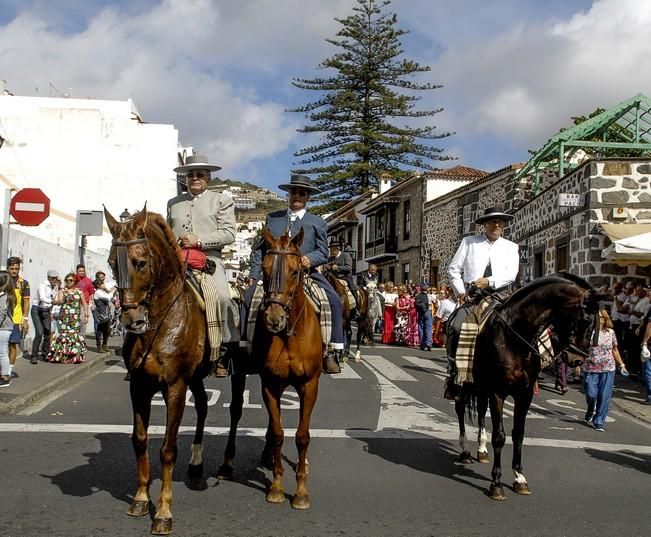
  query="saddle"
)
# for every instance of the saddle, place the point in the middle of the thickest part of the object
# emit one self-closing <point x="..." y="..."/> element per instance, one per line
<point x="345" y="291"/>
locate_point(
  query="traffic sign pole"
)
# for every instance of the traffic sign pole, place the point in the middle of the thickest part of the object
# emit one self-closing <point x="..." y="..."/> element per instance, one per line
<point x="4" y="245"/>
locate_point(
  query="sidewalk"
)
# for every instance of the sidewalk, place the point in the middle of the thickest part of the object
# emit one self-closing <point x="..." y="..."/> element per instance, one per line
<point x="38" y="381"/>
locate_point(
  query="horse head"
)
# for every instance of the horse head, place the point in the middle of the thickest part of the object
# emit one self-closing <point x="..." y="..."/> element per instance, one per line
<point x="144" y="258"/>
<point x="577" y="324"/>
<point x="282" y="278"/>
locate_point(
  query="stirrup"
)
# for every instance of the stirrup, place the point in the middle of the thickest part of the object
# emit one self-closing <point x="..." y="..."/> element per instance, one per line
<point x="451" y="391"/>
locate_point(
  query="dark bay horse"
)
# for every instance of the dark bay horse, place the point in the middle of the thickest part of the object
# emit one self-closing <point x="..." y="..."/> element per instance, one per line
<point x="288" y="343"/>
<point x="506" y="361"/>
<point x="165" y="348"/>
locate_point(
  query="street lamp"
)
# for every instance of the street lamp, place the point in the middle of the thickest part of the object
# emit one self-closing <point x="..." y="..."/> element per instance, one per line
<point x="125" y="216"/>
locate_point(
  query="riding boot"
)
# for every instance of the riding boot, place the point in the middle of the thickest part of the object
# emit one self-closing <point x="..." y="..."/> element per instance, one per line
<point x="331" y="362"/>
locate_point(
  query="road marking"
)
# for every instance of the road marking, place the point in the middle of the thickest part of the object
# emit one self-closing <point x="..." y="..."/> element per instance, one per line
<point x="445" y="434"/>
<point x="347" y="372"/>
<point x="400" y="411"/>
<point x="388" y="369"/>
<point x="115" y="369"/>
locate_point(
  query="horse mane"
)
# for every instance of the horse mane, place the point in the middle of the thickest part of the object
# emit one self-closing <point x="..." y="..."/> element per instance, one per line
<point x="159" y="224"/>
<point x="558" y="277"/>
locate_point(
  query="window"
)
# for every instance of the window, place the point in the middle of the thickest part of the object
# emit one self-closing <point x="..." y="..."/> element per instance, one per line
<point x="360" y="242"/>
<point x="561" y="256"/>
<point x="538" y="264"/>
<point x="405" y="272"/>
<point x="406" y="219"/>
<point x="392" y="274"/>
<point x="467" y="218"/>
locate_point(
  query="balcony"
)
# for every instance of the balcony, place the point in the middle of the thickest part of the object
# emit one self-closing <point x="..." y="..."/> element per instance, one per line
<point x="380" y="248"/>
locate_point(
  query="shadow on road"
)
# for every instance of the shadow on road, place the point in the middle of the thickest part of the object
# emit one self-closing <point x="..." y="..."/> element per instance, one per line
<point x="113" y="468"/>
<point x="429" y="455"/>
<point x="627" y="459"/>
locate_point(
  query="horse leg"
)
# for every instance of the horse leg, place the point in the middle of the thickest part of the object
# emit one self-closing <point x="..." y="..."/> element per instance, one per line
<point x="522" y="403"/>
<point x="307" y="394"/>
<point x="361" y="327"/>
<point x="195" y="468"/>
<point x="175" y="401"/>
<point x="271" y="395"/>
<point x="496" y="492"/>
<point x="141" y="404"/>
<point x="482" y="449"/>
<point x="238" y="383"/>
<point x="460" y="409"/>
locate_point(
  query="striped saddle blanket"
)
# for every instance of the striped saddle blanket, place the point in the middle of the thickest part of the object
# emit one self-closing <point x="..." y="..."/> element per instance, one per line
<point x="205" y="289"/>
<point x="317" y="299"/>
<point x="472" y="327"/>
<point x="352" y="303"/>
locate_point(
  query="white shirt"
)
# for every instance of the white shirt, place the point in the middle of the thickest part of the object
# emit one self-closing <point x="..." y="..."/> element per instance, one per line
<point x="297" y="214"/>
<point x="389" y="298"/>
<point x="446" y="307"/>
<point x="641" y="307"/>
<point x="472" y="257"/>
<point x="44" y="294"/>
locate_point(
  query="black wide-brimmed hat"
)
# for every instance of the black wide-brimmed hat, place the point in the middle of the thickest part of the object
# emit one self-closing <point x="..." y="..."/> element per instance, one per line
<point x="299" y="181"/>
<point x="197" y="162"/>
<point x="334" y="241"/>
<point x="493" y="213"/>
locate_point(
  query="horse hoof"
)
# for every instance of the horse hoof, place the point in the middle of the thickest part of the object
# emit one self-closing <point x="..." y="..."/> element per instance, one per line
<point x="161" y="526"/>
<point x="465" y="458"/>
<point x="195" y="470"/>
<point x="521" y="488"/>
<point x="483" y="457"/>
<point x="496" y="492"/>
<point x="275" y="496"/>
<point x="138" y="508"/>
<point x="225" y="472"/>
<point x="301" y="502"/>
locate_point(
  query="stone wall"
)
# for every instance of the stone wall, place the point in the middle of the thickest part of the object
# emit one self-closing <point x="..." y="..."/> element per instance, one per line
<point x="541" y="225"/>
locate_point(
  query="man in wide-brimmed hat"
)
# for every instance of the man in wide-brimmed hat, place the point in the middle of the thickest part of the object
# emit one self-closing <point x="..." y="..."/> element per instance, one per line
<point x="205" y="220"/>
<point x="314" y="252"/>
<point x="485" y="261"/>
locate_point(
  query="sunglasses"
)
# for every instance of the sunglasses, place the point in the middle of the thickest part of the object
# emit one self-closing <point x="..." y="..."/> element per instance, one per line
<point x="70" y="280"/>
<point x="198" y="175"/>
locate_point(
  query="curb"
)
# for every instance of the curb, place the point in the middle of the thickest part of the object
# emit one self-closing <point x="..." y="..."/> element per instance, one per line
<point x="631" y="408"/>
<point x="79" y="372"/>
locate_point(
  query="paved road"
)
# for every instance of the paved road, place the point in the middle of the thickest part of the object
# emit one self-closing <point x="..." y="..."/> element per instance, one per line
<point x="382" y="459"/>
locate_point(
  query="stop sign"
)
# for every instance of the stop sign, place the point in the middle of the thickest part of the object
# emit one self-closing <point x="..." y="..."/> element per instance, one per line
<point x="30" y="206"/>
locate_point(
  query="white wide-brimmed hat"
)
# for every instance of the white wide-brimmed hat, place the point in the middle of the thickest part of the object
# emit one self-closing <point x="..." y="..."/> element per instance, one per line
<point x="197" y="162"/>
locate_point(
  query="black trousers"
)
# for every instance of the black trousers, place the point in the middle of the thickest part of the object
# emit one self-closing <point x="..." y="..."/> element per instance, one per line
<point x="42" y="327"/>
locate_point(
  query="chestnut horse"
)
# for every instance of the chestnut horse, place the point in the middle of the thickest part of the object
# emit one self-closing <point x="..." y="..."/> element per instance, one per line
<point x="507" y="363"/>
<point x="288" y="343"/>
<point x="165" y="347"/>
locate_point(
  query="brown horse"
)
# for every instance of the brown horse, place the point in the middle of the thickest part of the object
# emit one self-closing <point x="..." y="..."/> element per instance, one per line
<point x="288" y="342"/>
<point x="507" y="361"/>
<point x="165" y="348"/>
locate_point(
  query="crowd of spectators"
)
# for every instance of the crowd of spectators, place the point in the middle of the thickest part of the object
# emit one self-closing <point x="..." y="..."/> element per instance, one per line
<point x="60" y="311"/>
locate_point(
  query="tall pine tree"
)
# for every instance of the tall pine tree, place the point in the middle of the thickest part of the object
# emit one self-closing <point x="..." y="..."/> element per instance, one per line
<point x="357" y="116"/>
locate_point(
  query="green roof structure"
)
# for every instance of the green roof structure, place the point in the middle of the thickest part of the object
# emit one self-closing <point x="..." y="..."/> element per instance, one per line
<point x="624" y="127"/>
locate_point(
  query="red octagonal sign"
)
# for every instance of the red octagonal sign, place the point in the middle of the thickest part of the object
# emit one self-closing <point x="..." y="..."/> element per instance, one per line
<point x="30" y="206"/>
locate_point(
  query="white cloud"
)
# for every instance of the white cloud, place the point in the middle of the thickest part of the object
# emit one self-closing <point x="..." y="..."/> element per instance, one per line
<point x="526" y="83"/>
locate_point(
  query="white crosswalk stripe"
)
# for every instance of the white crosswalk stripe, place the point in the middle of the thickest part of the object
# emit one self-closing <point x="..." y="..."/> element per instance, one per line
<point x="387" y="368"/>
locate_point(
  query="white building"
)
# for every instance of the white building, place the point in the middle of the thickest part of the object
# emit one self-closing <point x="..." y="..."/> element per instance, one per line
<point x="85" y="153"/>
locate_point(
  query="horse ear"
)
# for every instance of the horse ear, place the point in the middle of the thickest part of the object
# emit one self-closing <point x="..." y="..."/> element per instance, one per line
<point x="298" y="240"/>
<point x="140" y="219"/>
<point x="267" y="236"/>
<point x="110" y="221"/>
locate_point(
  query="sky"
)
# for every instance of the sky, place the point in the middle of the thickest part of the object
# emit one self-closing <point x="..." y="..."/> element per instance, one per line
<point x="513" y="71"/>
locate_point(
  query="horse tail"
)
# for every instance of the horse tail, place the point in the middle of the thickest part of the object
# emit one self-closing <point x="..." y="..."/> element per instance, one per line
<point x="469" y="398"/>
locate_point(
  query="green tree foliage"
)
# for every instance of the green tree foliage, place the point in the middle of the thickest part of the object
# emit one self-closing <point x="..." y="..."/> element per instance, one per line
<point x="361" y="106"/>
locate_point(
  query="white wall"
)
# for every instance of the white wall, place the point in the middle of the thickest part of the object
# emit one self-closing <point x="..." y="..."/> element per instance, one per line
<point x="84" y="153"/>
<point x="437" y="187"/>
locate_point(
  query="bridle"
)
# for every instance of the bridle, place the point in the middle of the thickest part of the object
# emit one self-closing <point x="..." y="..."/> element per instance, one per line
<point x="277" y="283"/>
<point x="122" y="271"/>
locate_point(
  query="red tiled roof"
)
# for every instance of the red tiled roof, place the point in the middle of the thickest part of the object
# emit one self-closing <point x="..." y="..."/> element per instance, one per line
<point x="461" y="172"/>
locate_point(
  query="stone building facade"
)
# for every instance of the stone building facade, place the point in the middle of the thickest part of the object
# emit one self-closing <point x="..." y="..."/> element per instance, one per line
<point x="554" y="237"/>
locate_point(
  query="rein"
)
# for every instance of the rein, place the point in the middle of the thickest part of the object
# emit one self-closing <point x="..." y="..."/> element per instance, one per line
<point x="277" y="284"/>
<point x="572" y="348"/>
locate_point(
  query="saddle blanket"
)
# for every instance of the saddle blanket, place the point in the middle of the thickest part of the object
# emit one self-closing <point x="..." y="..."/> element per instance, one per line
<point x="472" y="327"/>
<point x="205" y="289"/>
<point x="352" y="303"/>
<point x="317" y="299"/>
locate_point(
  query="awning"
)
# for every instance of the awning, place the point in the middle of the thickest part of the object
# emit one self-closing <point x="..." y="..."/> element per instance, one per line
<point x="631" y="248"/>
